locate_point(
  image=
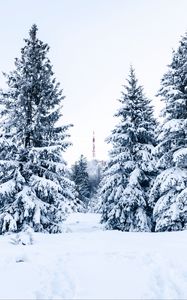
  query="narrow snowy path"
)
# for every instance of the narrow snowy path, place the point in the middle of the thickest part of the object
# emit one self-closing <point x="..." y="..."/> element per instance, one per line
<point x="87" y="262"/>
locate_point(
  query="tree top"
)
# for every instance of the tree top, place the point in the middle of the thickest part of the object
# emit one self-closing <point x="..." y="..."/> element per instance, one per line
<point x="33" y="31"/>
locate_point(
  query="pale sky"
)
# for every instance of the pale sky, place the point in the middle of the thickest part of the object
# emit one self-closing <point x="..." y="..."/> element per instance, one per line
<point x="92" y="44"/>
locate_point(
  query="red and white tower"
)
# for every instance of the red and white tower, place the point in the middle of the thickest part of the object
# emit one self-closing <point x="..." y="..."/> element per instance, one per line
<point x="93" y="146"/>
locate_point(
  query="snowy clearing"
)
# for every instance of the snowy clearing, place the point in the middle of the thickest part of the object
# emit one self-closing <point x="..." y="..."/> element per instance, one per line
<point x="87" y="262"/>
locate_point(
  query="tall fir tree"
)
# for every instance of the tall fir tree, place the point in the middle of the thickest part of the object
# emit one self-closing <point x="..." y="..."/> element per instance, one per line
<point x="35" y="189"/>
<point x="128" y="173"/>
<point x="169" y="193"/>
<point x="81" y="179"/>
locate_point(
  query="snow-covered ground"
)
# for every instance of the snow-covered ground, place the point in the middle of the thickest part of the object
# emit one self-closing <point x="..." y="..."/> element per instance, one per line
<point x="87" y="262"/>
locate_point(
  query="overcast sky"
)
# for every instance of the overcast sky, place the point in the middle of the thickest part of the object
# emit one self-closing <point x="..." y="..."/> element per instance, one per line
<point x="92" y="44"/>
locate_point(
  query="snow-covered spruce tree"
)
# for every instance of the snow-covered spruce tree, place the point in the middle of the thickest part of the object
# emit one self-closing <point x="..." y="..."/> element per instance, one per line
<point x="95" y="171"/>
<point x="81" y="179"/>
<point x="169" y="193"/>
<point x="128" y="173"/>
<point x="34" y="187"/>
